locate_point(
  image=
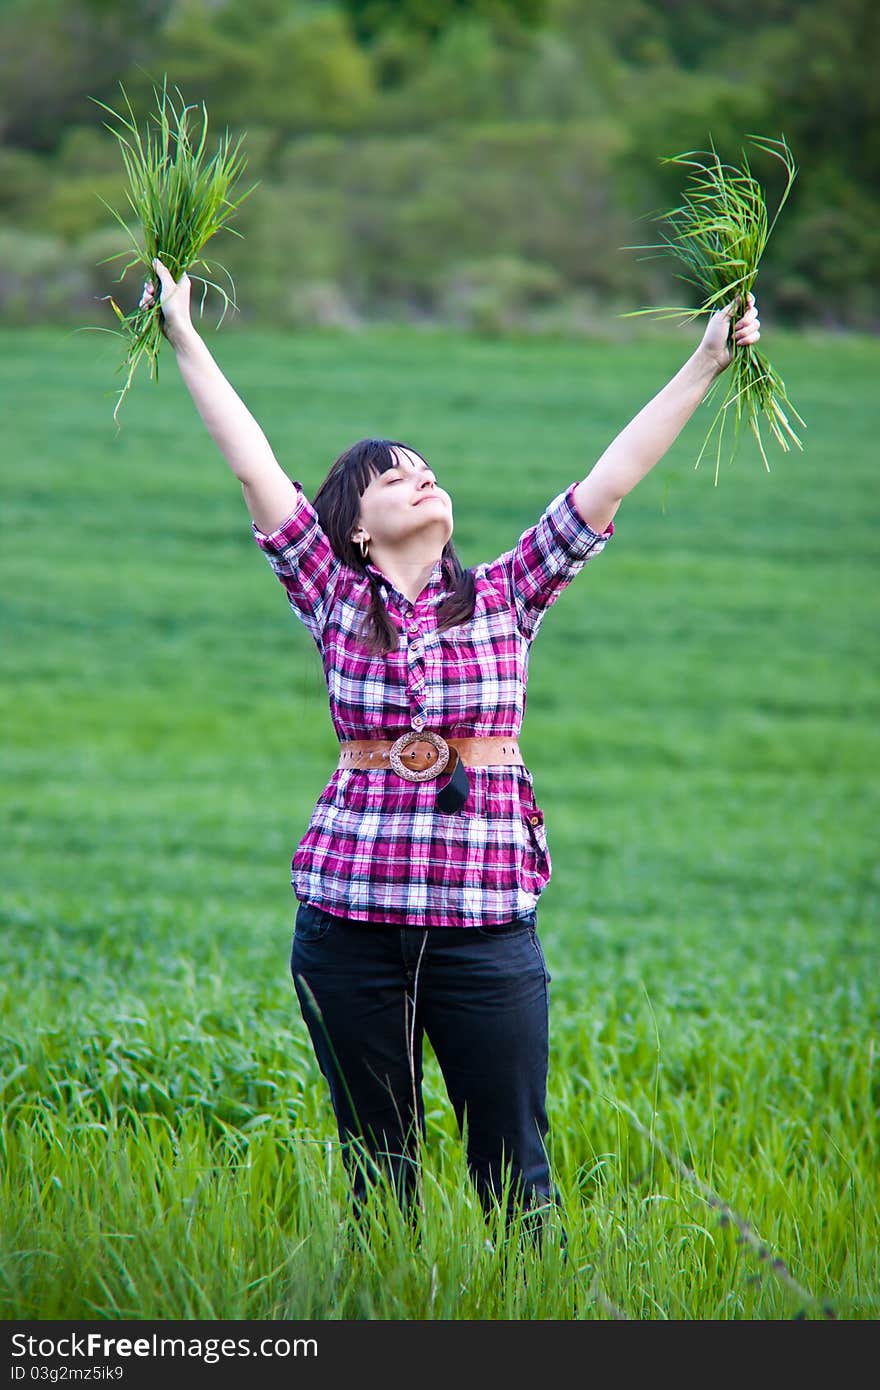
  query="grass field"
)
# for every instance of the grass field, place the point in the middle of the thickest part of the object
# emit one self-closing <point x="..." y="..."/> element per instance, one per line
<point x="702" y="728"/>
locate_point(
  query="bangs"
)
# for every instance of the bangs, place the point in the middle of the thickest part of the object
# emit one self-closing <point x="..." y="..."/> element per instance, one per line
<point x="374" y="457"/>
<point x="370" y="461"/>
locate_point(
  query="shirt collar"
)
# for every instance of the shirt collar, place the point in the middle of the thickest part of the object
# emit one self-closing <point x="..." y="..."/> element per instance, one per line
<point x="434" y="587"/>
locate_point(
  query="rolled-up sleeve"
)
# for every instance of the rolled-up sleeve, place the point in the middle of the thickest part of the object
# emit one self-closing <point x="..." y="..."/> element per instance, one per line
<point x="304" y="560"/>
<point x="546" y="559"/>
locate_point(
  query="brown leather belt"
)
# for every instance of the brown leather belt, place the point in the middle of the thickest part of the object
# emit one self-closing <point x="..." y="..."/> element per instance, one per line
<point x="420" y="756"/>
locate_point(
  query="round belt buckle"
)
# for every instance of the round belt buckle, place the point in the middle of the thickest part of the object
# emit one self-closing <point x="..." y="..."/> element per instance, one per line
<point x="426" y="774"/>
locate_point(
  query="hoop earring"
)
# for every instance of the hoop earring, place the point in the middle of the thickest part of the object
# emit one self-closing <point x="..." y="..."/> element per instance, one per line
<point x="363" y="546"/>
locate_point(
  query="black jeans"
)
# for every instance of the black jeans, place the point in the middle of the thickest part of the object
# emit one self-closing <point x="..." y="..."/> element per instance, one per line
<point x="370" y="992"/>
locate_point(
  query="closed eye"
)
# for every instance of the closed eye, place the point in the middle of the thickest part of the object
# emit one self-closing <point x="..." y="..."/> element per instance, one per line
<point x="393" y="477"/>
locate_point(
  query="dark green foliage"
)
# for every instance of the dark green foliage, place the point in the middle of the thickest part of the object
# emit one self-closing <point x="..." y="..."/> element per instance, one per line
<point x="659" y="75"/>
<point x="370" y="19"/>
<point x="55" y="53"/>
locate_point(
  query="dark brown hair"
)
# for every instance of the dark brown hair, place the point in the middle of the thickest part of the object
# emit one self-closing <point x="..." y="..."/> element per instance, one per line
<point x="338" y="504"/>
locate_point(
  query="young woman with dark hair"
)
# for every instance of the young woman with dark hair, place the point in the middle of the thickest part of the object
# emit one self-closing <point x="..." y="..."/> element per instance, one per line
<point x="420" y="872"/>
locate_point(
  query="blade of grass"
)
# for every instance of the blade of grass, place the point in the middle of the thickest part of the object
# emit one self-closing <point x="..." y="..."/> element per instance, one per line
<point x="718" y="235"/>
<point x="180" y="198"/>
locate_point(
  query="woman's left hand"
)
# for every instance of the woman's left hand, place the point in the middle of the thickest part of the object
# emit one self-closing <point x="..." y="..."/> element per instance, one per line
<point x="746" y="331"/>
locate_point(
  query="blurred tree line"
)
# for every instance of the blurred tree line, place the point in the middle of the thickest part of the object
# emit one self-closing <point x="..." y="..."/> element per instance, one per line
<point x="485" y="163"/>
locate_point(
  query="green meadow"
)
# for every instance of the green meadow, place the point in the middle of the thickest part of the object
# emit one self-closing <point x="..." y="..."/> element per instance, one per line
<point x="702" y="727"/>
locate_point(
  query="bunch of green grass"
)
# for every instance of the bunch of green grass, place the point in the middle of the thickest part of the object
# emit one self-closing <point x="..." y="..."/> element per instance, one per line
<point x="718" y="235"/>
<point x="181" y="198"/>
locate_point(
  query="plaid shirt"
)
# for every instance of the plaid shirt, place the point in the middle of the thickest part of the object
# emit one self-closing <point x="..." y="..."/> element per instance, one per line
<point x="376" y="848"/>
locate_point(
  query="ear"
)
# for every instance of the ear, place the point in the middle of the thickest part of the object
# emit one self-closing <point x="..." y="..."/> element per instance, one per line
<point x="360" y="535"/>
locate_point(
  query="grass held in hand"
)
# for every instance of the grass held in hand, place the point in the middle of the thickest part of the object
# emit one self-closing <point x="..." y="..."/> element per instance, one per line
<point x="718" y="236"/>
<point x="181" y="197"/>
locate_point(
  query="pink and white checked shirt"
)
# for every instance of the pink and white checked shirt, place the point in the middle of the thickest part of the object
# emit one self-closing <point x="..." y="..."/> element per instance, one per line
<point x="376" y="848"/>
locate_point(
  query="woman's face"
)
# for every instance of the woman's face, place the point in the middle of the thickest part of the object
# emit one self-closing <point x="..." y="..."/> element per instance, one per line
<point x="403" y="504"/>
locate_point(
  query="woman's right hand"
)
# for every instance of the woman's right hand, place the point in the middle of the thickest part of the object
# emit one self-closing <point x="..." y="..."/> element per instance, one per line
<point x="173" y="300"/>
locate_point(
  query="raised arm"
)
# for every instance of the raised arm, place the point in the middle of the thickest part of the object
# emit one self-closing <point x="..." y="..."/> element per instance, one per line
<point x="269" y="494"/>
<point x="648" y="436"/>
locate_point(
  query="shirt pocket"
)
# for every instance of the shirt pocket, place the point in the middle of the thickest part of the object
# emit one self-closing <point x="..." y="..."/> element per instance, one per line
<point x="536" y="865"/>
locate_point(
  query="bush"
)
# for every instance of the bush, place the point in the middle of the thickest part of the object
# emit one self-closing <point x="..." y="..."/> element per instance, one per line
<point x="22" y="183"/>
<point x="497" y="293"/>
<point x="99" y="280"/>
<point x="390" y="214"/>
<point x="294" y="235"/>
<point x="826" y="259"/>
<point x="287" y="68"/>
<point x="38" y="279"/>
<point x="317" y="304"/>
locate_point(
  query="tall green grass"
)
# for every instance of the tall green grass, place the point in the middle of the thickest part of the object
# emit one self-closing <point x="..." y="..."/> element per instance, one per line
<point x="717" y="236"/>
<point x="702" y="729"/>
<point x="180" y="198"/>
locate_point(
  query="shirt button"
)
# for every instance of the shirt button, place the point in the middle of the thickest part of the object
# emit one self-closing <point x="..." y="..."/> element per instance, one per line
<point x="418" y="721"/>
<point x="414" y="627"/>
<point x="535" y="820"/>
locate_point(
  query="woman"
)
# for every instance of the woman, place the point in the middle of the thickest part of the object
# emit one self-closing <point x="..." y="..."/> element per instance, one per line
<point x="420" y="872"/>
